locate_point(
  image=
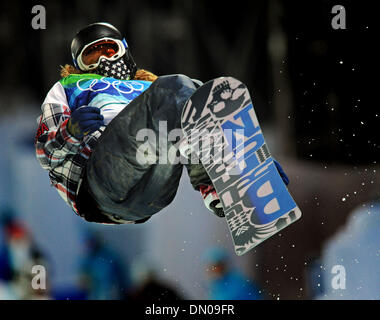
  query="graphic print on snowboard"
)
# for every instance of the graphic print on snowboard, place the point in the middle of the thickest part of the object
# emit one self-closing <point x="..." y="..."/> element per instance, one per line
<point x="222" y="131"/>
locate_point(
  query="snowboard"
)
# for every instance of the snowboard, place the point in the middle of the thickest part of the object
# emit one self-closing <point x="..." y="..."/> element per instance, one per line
<point x="221" y="129"/>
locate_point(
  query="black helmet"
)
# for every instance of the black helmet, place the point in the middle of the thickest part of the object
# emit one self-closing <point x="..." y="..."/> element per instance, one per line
<point x="96" y="31"/>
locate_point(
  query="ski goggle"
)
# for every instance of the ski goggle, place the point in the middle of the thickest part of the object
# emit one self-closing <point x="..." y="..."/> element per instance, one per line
<point x="89" y="57"/>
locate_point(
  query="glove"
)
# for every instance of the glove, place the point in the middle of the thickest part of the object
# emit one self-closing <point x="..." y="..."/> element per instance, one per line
<point x="281" y="172"/>
<point x="84" y="120"/>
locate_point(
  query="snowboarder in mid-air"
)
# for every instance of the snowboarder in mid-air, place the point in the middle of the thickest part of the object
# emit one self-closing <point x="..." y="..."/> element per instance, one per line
<point x="86" y="135"/>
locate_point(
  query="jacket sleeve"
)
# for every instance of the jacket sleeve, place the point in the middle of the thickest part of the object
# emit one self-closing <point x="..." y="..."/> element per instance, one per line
<point x="53" y="142"/>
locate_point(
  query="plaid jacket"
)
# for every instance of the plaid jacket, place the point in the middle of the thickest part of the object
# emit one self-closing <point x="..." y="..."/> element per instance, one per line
<point x="57" y="151"/>
<point x="60" y="153"/>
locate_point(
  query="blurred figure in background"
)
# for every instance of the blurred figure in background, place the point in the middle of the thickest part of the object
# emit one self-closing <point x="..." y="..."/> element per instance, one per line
<point x="102" y="272"/>
<point x="18" y="255"/>
<point x="6" y="272"/>
<point x="147" y="286"/>
<point x="225" y="281"/>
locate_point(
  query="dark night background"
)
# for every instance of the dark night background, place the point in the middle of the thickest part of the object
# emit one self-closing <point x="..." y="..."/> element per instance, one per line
<point x="310" y="86"/>
<point x="331" y="106"/>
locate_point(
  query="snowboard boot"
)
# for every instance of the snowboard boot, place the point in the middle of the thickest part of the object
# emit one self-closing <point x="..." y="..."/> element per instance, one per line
<point x="196" y="173"/>
<point x="211" y="199"/>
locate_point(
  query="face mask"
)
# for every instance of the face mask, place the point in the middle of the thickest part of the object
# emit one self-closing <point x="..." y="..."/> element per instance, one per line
<point x="115" y="69"/>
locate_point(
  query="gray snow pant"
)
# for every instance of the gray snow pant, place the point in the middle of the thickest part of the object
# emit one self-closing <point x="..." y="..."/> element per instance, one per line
<point x="121" y="187"/>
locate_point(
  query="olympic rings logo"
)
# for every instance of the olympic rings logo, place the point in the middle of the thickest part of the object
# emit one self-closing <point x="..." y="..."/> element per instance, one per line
<point x="121" y="86"/>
